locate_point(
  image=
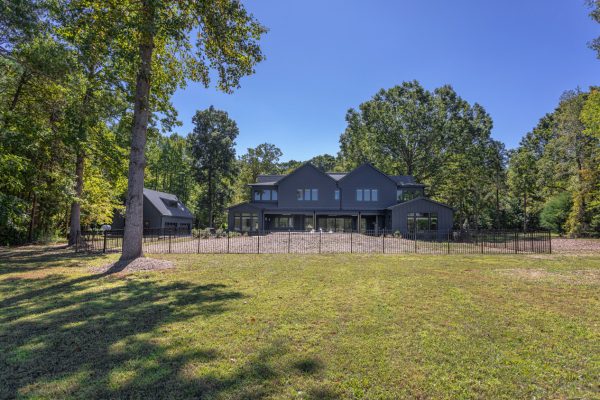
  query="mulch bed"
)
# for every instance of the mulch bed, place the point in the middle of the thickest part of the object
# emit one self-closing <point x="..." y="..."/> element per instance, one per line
<point x="138" y="264"/>
<point x="583" y="246"/>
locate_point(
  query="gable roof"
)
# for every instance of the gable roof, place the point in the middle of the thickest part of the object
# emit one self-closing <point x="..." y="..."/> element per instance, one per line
<point x="159" y="200"/>
<point x="369" y="165"/>
<point x="420" y="199"/>
<point x="305" y="165"/>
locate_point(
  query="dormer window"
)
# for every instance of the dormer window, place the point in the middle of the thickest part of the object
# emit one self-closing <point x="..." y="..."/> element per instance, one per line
<point x="408" y="194"/>
<point x="170" y="203"/>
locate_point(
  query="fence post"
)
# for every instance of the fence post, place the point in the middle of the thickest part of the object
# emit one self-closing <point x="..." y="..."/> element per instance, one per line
<point x="77" y="237"/>
<point x="351" y="231"/>
<point x="198" y="249"/>
<point x="289" y="239"/>
<point x="258" y="245"/>
<point x="169" y="241"/>
<point x="516" y="242"/>
<point x="104" y="244"/>
<point x="383" y="241"/>
<point x="448" y="241"/>
<point x="320" y="234"/>
<point x="228" y="242"/>
<point x="481" y="240"/>
<point x="415" y="232"/>
<point x="549" y="242"/>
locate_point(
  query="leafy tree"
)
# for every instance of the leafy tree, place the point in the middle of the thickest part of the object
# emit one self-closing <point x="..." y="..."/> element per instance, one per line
<point x="288" y="166"/>
<point x="324" y="162"/>
<point x="396" y="130"/>
<point x="555" y="212"/>
<point x="156" y="38"/>
<point x="169" y="166"/>
<point x="212" y="146"/>
<point x="522" y="180"/>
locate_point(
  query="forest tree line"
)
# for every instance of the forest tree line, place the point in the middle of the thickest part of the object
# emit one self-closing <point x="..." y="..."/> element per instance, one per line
<point x="67" y="84"/>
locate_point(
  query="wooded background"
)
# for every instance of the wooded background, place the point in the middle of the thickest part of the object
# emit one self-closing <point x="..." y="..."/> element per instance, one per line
<point x="67" y="88"/>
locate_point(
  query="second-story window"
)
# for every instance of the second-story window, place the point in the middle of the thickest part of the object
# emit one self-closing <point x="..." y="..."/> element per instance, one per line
<point x="265" y="195"/>
<point x="367" y="194"/>
<point x="307" y="194"/>
<point x="336" y="194"/>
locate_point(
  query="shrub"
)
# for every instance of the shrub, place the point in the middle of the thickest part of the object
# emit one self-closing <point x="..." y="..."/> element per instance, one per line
<point x="555" y="212"/>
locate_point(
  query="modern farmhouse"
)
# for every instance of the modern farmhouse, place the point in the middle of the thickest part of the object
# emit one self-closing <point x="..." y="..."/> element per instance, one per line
<point x="364" y="199"/>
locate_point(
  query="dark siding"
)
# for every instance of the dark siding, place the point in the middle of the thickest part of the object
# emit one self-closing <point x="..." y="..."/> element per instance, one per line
<point x="423" y="205"/>
<point x="244" y="208"/>
<point x="151" y="215"/>
<point x="308" y="177"/>
<point x="366" y="177"/>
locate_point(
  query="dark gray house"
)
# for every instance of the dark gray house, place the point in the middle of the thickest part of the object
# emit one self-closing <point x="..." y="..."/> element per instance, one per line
<point x="362" y="200"/>
<point x="161" y="210"/>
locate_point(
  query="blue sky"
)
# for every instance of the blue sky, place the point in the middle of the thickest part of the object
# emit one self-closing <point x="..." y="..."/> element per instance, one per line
<point x="323" y="57"/>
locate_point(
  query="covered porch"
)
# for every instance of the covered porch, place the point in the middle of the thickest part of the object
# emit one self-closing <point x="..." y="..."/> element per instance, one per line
<point x="326" y="221"/>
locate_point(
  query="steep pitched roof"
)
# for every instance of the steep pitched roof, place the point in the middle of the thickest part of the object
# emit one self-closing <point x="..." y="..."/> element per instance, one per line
<point x="368" y="165"/>
<point x="305" y="165"/>
<point x="161" y="201"/>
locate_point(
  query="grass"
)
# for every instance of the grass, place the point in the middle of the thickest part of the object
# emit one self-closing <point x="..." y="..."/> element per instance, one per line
<point x="293" y="326"/>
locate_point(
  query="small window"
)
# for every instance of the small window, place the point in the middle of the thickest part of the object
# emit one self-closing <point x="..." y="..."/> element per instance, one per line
<point x="299" y="194"/>
<point x="306" y="194"/>
<point x="433" y="225"/>
<point x="374" y="194"/>
<point x="336" y="194"/>
<point x="367" y="195"/>
<point x="266" y="195"/>
<point x="359" y="195"/>
<point x="315" y="194"/>
<point x="273" y="194"/>
<point x="257" y="194"/>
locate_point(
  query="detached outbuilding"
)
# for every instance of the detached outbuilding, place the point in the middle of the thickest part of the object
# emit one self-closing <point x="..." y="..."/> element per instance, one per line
<point x="161" y="211"/>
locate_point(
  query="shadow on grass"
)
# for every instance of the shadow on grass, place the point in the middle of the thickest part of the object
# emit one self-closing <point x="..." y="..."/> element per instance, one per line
<point x="31" y="258"/>
<point x="98" y="337"/>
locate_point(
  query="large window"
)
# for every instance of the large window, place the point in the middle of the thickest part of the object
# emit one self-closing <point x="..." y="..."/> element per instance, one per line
<point x="334" y="223"/>
<point x="307" y="194"/>
<point x="245" y="222"/>
<point x="422" y="222"/>
<point x="265" y="195"/>
<point x="282" y="222"/>
<point x="367" y="194"/>
<point x="407" y="194"/>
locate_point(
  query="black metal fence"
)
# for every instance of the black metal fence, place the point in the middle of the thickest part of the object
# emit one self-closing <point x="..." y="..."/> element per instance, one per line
<point x="380" y="241"/>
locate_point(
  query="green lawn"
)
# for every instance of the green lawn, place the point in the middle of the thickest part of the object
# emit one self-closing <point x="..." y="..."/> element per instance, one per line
<point x="293" y="326"/>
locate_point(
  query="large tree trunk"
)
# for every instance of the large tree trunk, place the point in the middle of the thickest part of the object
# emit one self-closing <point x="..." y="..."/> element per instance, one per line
<point x="75" y="226"/>
<point x="134" y="224"/>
